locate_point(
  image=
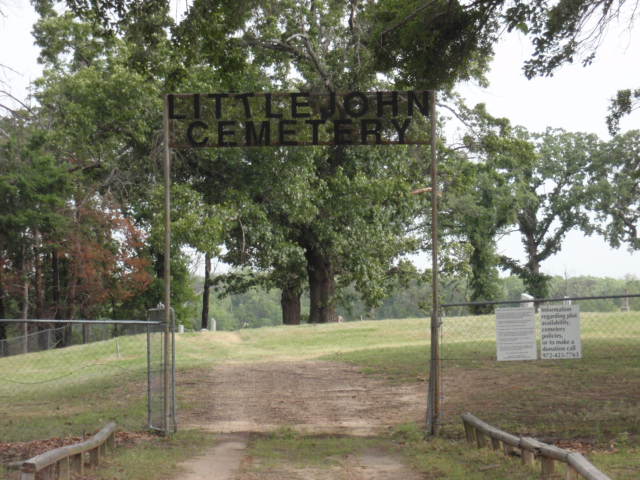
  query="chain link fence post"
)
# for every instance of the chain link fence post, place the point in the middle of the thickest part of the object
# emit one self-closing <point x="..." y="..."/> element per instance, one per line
<point x="161" y="371"/>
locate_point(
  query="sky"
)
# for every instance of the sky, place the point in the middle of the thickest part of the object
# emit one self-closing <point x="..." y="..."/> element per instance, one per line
<point x="575" y="98"/>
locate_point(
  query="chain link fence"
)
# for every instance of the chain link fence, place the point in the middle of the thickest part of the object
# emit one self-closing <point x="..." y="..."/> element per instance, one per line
<point x="32" y="342"/>
<point x="92" y="367"/>
<point x="544" y="367"/>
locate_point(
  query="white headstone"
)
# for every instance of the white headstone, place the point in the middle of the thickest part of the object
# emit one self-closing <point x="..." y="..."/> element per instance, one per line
<point x="528" y="300"/>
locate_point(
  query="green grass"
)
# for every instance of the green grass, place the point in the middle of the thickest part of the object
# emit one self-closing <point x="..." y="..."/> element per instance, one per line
<point x="436" y="458"/>
<point x="396" y="364"/>
<point x="597" y="397"/>
<point x="287" y="446"/>
<point x="155" y="459"/>
<point x="73" y="390"/>
<point x="453" y="459"/>
<point x="624" y="460"/>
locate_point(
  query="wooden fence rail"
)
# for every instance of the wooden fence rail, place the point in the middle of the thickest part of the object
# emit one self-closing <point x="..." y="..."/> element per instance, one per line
<point x="59" y="463"/>
<point x="530" y="449"/>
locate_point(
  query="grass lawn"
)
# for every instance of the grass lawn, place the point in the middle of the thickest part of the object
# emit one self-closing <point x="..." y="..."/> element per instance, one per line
<point x="594" y="400"/>
<point x="155" y="459"/>
<point x="437" y="458"/>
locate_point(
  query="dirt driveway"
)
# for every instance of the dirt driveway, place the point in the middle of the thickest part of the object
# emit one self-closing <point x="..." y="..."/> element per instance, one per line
<point x="308" y="396"/>
<point x="311" y="397"/>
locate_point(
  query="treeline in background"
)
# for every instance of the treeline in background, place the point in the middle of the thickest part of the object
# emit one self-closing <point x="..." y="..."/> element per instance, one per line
<point x="259" y="308"/>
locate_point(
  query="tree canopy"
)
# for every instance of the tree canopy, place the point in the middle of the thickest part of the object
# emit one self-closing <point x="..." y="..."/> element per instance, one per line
<point x="79" y="172"/>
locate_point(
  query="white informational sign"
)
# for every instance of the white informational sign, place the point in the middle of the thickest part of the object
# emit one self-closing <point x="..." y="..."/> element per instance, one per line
<point x="516" y="334"/>
<point x="560" y="332"/>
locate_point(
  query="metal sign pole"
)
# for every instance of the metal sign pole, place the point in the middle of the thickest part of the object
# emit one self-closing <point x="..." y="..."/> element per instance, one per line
<point x="167" y="268"/>
<point x="433" y="401"/>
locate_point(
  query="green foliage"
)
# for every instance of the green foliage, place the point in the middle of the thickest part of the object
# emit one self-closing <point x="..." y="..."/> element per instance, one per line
<point x="614" y="182"/>
<point x="482" y="193"/>
<point x="33" y="187"/>
<point x="250" y="307"/>
<point x="100" y="99"/>
<point x="338" y="218"/>
<point x="561" y="31"/>
<point x="625" y="102"/>
<point x="432" y="45"/>
<point x="552" y="199"/>
<point x="257" y="307"/>
<point x="584" y="286"/>
<point x="302" y="213"/>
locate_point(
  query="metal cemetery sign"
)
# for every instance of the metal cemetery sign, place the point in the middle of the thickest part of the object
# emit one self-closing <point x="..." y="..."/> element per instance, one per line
<point x="213" y="120"/>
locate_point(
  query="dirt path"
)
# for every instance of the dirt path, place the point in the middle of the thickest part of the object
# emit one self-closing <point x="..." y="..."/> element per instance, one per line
<point x="221" y="462"/>
<point x="308" y="396"/>
<point x="311" y="397"/>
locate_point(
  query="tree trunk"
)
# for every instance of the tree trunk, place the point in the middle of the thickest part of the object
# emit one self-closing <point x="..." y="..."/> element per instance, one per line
<point x="63" y="337"/>
<point x="206" y="291"/>
<point x="484" y="274"/>
<point x="314" y="296"/>
<point x="38" y="279"/>
<point x="3" y="313"/>
<point x="86" y="333"/>
<point x="25" y="314"/>
<point x="322" y="287"/>
<point x="55" y="287"/>
<point x="290" y="302"/>
<point x="40" y="293"/>
<point x="536" y="283"/>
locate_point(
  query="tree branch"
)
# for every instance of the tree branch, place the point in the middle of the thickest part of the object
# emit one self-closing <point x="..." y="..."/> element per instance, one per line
<point x="276" y="46"/>
<point x="15" y="99"/>
<point x="311" y="55"/>
<point x="405" y="19"/>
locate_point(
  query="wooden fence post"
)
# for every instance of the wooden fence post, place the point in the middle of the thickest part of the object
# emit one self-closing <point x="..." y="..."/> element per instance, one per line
<point x="94" y="457"/>
<point x="495" y="443"/>
<point x="77" y="463"/>
<point x="469" y="432"/>
<point x="548" y="467"/>
<point x="63" y="469"/>
<point x="528" y="457"/>
<point x="571" y="474"/>
<point x="531" y="449"/>
<point x="481" y="439"/>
